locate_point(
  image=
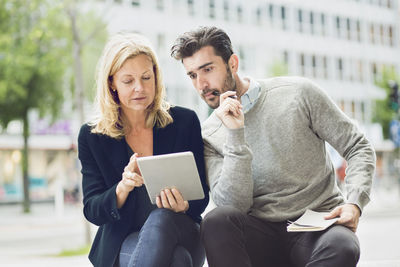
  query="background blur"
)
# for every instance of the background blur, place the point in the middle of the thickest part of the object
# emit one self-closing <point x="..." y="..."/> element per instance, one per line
<point x="48" y="55"/>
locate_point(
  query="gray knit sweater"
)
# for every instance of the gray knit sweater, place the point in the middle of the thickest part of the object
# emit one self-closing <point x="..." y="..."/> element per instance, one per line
<point x="277" y="166"/>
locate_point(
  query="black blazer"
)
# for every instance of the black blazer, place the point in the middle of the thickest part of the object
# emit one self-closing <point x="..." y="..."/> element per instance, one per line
<point x="103" y="160"/>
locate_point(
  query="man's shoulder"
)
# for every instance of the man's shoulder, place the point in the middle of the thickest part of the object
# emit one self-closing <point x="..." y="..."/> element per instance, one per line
<point x="284" y="81"/>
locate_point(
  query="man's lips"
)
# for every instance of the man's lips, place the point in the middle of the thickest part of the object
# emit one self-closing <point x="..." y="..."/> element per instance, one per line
<point x="211" y="94"/>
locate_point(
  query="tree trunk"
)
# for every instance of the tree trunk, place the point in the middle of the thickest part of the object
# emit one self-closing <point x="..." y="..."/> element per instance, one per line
<point x="25" y="165"/>
<point x="79" y="88"/>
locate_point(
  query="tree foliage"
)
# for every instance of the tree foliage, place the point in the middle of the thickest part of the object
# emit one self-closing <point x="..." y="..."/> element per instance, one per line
<point x="33" y="58"/>
<point x="382" y="111"/>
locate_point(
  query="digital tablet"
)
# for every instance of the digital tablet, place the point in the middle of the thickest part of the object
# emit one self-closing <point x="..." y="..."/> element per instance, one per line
<point x="175" y="170"/>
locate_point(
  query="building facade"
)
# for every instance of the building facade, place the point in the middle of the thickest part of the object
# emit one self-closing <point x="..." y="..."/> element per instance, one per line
<point x="343" y="45"/>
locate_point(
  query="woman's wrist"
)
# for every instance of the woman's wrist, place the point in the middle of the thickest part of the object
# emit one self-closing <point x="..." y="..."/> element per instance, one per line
<point x="121" y="189"/>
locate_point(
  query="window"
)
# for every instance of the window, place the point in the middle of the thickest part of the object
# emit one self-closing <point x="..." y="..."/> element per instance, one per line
<point x="372" y="33"/>
<point x="314" y="65"/>
<point x="374" y="71"/>
<point x="340" y="69"/>
<point x="300" y="19"/>
<point x="302" y="64"/>
<point x="323" y="32"/>
<point x="358" y="25"/>
<point x="312" y="22"/>
<point x="283" y="17"/>
<point x="242" y="58"/>
<point x="191" y="7"/>
<point x="363" y="111"/>
<point x="382" y="34"/>
<point x="226" y="10"/>
<point x="135" y="3"/>
<point x="353" y="109"/>
<point x="258" y="16"/>
<point x="338" y="26"/>
<point x="391" y="36"/>
<point x="160" y="4"/>
<point x="325" y="67"/>
<point x="239" y="14"/>
<point x="160" y="42"/>
<point x="360" y="71"/>
<point x="211" y="5"/>
<point x="286" y="57"/>
<point x="348" y="28"/>
<point x="271" y="13"/>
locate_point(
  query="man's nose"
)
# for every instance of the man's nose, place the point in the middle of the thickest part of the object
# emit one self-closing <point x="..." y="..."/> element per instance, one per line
<point x="202" y="84"/>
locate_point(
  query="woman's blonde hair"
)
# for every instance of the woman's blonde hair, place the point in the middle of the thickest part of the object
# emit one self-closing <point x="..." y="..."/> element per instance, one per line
<point x="108" y="118"/>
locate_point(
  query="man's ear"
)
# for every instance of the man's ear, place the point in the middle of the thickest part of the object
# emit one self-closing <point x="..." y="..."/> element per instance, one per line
<point x="233" y="63"/>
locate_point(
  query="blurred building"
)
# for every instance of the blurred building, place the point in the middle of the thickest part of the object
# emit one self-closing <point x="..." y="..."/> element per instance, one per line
<point x="343" y="45"/>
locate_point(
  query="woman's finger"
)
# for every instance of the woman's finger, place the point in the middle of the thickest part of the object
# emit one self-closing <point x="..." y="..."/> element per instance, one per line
<point x="171" y="199"/>
<point x="158" y="202"/>
<point x="164" y="200"/>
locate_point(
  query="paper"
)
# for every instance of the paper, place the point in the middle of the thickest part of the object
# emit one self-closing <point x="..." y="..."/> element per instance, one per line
<point x="311" y="221"/>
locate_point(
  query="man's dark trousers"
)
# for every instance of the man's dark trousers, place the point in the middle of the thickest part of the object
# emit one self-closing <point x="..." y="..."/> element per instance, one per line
<point x="233" y="238"/>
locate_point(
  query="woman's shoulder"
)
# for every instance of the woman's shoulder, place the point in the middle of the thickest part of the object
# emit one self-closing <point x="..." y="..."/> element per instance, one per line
<point x="178" y="112"/>
<point x="86" y="131"/>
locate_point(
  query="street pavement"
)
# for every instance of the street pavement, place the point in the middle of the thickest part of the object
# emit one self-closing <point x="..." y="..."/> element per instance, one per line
<point x="35" y="239"/>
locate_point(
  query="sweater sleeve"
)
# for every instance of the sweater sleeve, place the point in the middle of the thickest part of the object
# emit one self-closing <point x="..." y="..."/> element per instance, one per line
<point x="330" y="124"/>
<point x="229" y="174"/>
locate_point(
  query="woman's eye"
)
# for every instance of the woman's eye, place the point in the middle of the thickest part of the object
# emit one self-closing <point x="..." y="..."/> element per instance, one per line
<point x="146" y="78"/>
<point x="127" y="82"/>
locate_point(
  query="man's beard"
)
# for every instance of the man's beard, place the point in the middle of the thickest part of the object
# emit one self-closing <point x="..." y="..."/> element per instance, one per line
<point x="229" y="85"/>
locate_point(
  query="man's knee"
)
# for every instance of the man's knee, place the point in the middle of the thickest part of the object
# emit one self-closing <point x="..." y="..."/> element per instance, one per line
<point x="341" y="243"/>
<point x="220" y="220"/>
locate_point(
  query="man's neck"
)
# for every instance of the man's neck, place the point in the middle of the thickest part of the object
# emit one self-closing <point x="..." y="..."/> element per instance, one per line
<point x="242" y="85"/>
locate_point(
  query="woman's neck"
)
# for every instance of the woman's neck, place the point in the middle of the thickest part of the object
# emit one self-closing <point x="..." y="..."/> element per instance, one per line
<point x="136" y="121"/>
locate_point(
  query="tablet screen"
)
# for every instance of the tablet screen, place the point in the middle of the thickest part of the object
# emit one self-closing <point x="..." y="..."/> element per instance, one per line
<point x="174" y="170"/>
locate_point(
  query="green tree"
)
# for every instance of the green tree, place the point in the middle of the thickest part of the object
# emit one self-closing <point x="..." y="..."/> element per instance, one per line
<point x="88" y="35"/>
<point x="382" y="111"/>
<point x="34" y="53"/>
<point x="278" y="68"/>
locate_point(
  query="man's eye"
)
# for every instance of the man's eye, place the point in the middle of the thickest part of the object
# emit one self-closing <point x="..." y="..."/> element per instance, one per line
<point x="207" y="69"/>
<point x="192" y="76"/>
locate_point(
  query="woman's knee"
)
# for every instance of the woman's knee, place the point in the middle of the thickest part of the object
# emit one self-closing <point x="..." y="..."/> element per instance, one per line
<point x="181" y="258"/>
<point x="162" y="217"/>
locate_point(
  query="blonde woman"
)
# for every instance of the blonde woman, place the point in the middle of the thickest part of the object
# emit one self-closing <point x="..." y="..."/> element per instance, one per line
<point x="134" y="120"/>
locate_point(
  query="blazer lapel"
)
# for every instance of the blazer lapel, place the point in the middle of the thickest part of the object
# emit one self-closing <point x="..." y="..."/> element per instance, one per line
<point x="164" y="139"/>
<point x="116" y="152"/>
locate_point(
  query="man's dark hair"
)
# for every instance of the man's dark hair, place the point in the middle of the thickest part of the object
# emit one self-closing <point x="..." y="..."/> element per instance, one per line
<point x="190" y="42"/>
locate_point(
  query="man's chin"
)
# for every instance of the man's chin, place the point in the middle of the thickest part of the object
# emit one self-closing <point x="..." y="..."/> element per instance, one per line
<point x="212" y="104"/>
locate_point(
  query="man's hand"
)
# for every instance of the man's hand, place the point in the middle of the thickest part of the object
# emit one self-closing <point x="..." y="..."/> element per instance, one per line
<point x="230" y="111"/>
<point x="172" y="199"/>
<point x="348" y="214"/>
